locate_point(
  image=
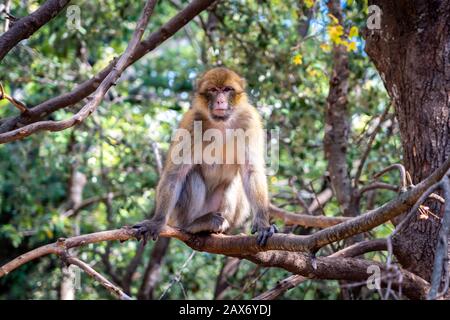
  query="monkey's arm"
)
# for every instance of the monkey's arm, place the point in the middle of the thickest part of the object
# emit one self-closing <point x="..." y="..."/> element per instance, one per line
<point x="255" y="186"/>
<point x="167" y="194"/>
<point x="174" y="175"/>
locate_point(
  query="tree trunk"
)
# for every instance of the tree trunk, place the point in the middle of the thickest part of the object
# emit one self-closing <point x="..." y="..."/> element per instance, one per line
<point x="76" y="185"/>
<point x="411" y="51"/>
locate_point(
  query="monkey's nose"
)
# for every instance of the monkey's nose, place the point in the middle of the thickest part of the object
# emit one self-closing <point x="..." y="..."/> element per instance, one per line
<point x="221" y="104"/>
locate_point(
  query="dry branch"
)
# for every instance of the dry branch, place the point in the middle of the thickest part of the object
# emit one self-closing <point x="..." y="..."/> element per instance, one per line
<point x="401" y="169"/>
<point x="305" y="220"/>
<point x="25" y="27"/>
<point x="299" y="263"/>
<point x="295" y="279"/>
<point x="368" y="148"/>
<point x="16" y="103"/>
<point x="115" y="290"/>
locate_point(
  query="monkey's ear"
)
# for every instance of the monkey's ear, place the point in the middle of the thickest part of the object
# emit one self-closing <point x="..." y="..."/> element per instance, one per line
<point x="243" y="83"/>
<point x="199" y="81"/>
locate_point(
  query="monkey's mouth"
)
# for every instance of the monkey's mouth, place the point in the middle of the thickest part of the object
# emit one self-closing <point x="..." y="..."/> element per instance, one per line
<point x="221" y="114"/>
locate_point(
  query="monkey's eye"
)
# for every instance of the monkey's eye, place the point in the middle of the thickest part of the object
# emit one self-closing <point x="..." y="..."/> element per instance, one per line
<point x="212" y="90"/>
<point x="228" y="89"/>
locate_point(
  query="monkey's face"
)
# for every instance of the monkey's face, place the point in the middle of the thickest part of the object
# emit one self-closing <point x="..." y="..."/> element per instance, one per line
<point x="221" y="101"/>
<point x="222" y="89"/>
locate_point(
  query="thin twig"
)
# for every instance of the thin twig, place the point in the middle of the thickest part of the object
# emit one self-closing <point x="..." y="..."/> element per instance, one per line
<point x="403" y="175"/>
<point x="115" y="290"/>
<point x="177" y="277"/>
<point x="18" y="104"/>
<point x="293" y="281"/>
<point x="369" y="146"/>
<point x="297" y="194"/>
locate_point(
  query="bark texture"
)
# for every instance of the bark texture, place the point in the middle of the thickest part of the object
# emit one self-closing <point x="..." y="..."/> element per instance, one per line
<point x="411" y="51"/>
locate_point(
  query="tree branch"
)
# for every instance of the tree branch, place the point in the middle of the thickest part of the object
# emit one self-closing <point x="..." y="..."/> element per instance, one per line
<point x="152" y="271"/>
<point x="115" y="290"/>
<point x="305" y="220"/>
<point x="295" y="279"/>
<point x="25" y="27"/>
<point x="243" y="247"/>
<point x="378" y="185"/>
<point x="403" y="174"/>
<point x="366" y="152"/>
<point x="7" y="128"/>
<point x="246" y="247"/>
<point x="328" y="268"/>
<point x="123" y="62"/>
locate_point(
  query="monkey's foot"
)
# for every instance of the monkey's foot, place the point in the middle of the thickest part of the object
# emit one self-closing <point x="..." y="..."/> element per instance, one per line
<point x="212" y="222"/>
<point x="148" y="229"/>
<point x="218" y="223"/>
<point x="264" y="234"/>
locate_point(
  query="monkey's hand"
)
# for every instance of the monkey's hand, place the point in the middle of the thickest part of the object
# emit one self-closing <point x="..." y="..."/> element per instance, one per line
<point x="264" y="233"/>
<point x="148" y="229"/>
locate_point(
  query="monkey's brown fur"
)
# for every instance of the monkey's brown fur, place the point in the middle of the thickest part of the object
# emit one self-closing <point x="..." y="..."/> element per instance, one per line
<point x="215" y="197"/>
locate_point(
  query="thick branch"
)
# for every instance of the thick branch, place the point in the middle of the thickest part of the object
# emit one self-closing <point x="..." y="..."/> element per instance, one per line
<point x="25" y="27"/>
<point x="350" y="269"/>
<point x="296" y="279"/>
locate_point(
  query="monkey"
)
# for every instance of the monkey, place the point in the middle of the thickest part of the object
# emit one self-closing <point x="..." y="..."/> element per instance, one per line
<point x="200" y="197"/>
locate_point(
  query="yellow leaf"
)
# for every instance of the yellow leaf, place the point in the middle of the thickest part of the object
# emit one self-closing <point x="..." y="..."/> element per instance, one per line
<point x="312" y="72"/>
<point x="298" y="59"/>
<point x="49" y="233"/>
<point x="309" y="3"/>
<point x="351" y="46"/>
<point x="353" y="32"/>
<point x="335" y="33"/>
<point x="325" y="47"/>
<point x="339" y="41"/>
<point x="333" y="18"/>
<point x="350" y="2"/>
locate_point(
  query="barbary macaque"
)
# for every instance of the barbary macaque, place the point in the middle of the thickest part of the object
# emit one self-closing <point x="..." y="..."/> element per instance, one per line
<point x="214" y="189"/>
